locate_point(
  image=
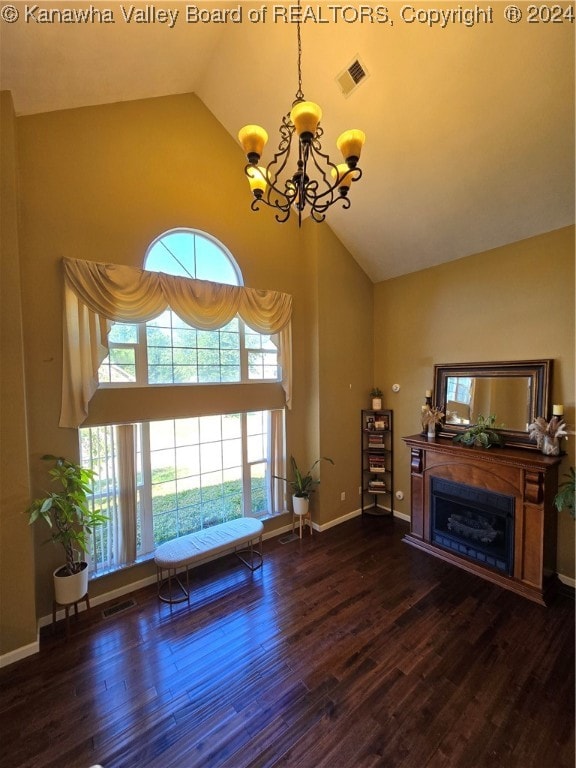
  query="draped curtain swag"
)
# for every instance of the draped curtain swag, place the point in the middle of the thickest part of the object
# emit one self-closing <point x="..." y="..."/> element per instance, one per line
<point x="95" y="295"/>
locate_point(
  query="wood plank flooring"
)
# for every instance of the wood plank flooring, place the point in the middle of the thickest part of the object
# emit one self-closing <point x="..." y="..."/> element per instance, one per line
<point x="348" y="649"/>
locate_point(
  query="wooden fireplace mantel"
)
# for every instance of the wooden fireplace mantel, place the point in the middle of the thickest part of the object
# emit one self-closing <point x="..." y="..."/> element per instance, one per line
<point x="530" y="477"/>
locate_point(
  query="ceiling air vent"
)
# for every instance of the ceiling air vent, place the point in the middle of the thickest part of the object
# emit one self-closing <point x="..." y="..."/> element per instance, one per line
<point x="352" y="76"/>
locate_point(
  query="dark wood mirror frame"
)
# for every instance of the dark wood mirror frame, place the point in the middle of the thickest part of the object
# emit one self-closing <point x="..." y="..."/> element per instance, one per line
<point x="538" y="373"/>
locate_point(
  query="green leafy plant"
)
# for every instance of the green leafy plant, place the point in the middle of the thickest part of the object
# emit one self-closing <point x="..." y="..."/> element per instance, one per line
<point x="376" y="392"/>
<point x="302" y="483"/>
<point x="564" y="499"/>
<point x="481" y="435"/>
<point x="66" y="511"/>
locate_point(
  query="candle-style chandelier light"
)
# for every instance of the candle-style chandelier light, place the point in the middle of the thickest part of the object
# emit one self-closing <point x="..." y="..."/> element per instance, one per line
<point x="317" y="183"/>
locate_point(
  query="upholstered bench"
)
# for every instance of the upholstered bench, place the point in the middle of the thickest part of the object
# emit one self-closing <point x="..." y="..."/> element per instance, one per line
<point x="202" y="546"/>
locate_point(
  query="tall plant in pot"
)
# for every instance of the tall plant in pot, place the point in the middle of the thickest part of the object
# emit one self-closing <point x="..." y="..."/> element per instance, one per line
<point x="302" y="484"/>
<point x="68" y="514"/>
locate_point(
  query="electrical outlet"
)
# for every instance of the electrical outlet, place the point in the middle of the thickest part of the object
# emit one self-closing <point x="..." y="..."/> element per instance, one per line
<point x="359" y="490"/>
<point x="343" y="496"/>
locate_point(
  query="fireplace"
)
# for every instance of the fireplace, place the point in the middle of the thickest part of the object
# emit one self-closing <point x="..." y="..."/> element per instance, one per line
<point x="473" y="522"/>
<point x="490" y="513"/>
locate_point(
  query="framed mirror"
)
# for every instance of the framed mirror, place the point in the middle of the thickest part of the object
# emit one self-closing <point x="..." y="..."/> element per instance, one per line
<point x="515" y="392"/>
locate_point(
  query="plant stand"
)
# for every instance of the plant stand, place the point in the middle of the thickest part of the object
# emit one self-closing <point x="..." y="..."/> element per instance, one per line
<point x="304" y="518"/>
<point x="67" y="606"/>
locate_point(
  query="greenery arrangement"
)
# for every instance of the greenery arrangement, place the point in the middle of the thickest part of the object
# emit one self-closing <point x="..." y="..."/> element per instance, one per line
<point x="66" y="511"/>
<point x="482" y="434"/>
<point x="376" y="392"/>
<point x="564" y="499"/>
<point x="302" y="483"/>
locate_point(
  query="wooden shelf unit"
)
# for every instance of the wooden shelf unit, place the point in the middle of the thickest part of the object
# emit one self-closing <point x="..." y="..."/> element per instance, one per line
<point x="377" y="473"/>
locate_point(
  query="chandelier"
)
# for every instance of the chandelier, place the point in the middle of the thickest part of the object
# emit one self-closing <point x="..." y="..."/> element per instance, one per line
<point x="317" y="183"/>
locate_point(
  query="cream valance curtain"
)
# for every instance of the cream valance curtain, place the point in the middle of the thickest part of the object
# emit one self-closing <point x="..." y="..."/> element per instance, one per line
<point x="95" y="295"/>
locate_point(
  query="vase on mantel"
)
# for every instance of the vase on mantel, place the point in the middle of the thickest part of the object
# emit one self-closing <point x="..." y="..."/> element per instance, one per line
<point x="550" y="446"/>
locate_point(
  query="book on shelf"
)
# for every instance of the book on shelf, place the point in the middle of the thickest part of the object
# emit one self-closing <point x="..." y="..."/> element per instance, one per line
<point x="376" y="463"/>
<point x="377" y="485"/>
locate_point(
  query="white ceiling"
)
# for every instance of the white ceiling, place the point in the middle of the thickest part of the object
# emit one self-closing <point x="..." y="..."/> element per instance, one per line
<point x="470" y="129"/>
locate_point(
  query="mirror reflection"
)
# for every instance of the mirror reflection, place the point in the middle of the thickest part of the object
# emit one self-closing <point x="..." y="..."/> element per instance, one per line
<point x="508" y="397"/>
<point x="515" y="392"/>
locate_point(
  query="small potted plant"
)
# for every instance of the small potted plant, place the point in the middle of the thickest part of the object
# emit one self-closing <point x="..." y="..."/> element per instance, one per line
<point x="481" y="435"/>
<point x="302" y="484"/>
<point x="565" y="497"/>
<point x="67" y="513"/>
<point x="376" y="395"/>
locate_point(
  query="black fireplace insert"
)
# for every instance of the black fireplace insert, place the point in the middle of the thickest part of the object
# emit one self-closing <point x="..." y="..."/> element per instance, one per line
<point x="474" y="523"/>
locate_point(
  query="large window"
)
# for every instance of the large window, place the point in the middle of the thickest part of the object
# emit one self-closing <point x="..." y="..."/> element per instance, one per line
<point x="188" y="474"/>
<point x="166" y="350"/>
<point x="160" y="479"/>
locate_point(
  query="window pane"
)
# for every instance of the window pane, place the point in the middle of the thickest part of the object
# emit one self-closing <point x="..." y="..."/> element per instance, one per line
<point x="258" y="501"/>
<point x="126" y="333"/>
<point x="161" y="435"/>
<point x="158" y="337"/>
<point x="187" y="431"/>
<point x="190" y="253"/>
<point x="208" y="340"/>
<point x="231" y="453"/>
<point x="160" y="375"/>
<point x="231" y="425"/>
<point x="185" y="374"/>
<point x="159" y="356"/>
<point x="184" y="337"/>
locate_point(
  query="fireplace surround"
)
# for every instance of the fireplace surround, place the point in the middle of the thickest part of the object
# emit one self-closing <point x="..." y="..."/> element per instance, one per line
<point x="474" y="523"/>
<point x="489" y="512"/>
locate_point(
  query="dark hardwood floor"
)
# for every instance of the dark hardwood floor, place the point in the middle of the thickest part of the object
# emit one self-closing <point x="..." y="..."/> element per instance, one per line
<point x="347" y="649"/>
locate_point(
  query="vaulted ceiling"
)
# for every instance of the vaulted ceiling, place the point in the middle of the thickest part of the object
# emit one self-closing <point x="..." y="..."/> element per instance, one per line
<point x="470" y="127"/>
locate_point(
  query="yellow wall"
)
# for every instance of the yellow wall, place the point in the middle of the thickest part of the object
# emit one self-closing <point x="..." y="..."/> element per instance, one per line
<point x="17" y="609"/>
<point x="100" y="183"/>
<point x="511" y="303"/>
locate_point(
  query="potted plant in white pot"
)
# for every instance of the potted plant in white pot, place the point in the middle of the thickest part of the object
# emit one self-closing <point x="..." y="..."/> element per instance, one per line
<point x="66" y="511"/>
<point x="302" y="485"/>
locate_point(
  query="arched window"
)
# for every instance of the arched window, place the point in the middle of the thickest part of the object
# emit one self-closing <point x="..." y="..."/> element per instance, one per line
<point x="195" y="254"/>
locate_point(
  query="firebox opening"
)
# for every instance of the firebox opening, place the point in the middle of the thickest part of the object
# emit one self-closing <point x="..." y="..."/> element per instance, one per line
<point x="473" y="523"/>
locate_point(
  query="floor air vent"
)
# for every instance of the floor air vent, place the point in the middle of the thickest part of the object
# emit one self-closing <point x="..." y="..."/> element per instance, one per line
<point x="352" y="76"/>
<point x="117" y="608"/>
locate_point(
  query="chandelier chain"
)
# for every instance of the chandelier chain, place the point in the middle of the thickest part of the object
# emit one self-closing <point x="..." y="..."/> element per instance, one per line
<point x="299" y="93"/>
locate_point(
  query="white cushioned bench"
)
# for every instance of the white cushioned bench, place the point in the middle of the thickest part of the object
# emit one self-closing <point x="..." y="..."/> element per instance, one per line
<point x="202" y="546"/>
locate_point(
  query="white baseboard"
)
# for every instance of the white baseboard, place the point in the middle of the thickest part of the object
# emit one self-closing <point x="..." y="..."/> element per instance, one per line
<point x="20" y="653"/>
<point x="354" y="513"/>
<point x="337" y="521"/>
<point x="567" y="580"/>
